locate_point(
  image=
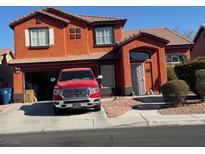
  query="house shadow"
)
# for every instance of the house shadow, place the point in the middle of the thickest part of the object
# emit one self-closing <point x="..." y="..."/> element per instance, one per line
<point x="150" y="99"/>
<point x="150" y="102"/>
<point x="151" y="106"/>
<point x="157" y="102"/>
<point x="46" y="109"/>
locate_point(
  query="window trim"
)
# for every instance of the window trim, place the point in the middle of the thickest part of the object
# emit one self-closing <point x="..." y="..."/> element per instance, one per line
<point x="104" y="45"/>
<point x="38" y="47"/>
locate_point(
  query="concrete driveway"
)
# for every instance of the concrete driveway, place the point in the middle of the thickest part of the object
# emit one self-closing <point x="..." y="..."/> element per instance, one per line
<point x="37" y="117"/>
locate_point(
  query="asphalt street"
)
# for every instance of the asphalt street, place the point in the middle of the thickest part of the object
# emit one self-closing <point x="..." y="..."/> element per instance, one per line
<point x="169" y="136"/>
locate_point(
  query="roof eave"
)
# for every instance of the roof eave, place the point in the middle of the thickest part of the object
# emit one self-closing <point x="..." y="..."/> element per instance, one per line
<point x="180" y="45"/>
<point x="134" y="36"/>
<point x="16" y="22"/>
<point x="121" y="21"/>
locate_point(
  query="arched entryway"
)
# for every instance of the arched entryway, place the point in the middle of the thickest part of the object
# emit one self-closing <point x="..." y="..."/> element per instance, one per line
<point x="138" y="58"/>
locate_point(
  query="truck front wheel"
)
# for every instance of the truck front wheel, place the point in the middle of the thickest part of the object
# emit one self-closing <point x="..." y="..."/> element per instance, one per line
<point x="56" y="110"/>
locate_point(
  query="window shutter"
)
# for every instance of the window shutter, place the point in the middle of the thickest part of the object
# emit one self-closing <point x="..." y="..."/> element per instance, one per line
<point x="51" y="36"/>
<point x="27" y="41"/>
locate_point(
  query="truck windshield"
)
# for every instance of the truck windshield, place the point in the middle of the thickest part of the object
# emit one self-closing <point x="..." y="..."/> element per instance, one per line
<point x="76" y="75"/>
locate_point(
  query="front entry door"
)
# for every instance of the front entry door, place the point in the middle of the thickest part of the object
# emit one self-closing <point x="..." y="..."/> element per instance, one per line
<point x="138" y="81"/>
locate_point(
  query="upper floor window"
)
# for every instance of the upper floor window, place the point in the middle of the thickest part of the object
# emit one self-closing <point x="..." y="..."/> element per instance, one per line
<point x="75" y="33"/>
<point x="39" y="37"/>
<point x="104" y="35"/>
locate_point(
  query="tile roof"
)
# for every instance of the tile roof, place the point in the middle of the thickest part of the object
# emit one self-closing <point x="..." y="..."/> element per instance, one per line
<point x="25" y="17"/>
<point x="94" y="56"/>
<point x="165" y="33"/>
<point x="87" y="18"/>
<point x="134" y="35"/>
<point x="84" y="18"/>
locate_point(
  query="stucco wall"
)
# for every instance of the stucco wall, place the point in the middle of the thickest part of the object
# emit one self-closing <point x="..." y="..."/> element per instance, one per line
<point x="184" y="51"/>
<point x="158" y="64"/>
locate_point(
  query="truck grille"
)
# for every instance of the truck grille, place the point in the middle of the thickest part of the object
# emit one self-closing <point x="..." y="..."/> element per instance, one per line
<point x="78" y="92"/>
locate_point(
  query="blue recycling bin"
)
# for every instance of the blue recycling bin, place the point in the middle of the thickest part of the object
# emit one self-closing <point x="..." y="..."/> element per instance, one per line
<point x="6" y="94"/>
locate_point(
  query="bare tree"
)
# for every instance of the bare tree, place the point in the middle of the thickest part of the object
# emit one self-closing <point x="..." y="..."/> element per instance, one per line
<point x="188" y="33"/>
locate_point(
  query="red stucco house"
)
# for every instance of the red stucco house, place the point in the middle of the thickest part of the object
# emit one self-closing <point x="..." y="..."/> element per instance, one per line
<point x="131" y="61"/>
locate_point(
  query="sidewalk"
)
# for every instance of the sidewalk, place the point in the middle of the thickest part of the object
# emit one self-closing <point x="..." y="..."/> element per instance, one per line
<point x="149" y="118"/>
<point x="4" y="108"/>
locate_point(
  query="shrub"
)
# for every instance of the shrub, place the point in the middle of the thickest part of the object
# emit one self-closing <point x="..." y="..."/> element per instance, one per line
<point x="200" y="83"/>
<point x="171" y="75"/>
<point x="175" y="91"/>
<point x="187" y="71"/>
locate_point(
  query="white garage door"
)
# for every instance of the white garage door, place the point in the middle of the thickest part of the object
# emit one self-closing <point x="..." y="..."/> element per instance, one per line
<point x="108" y="73"/>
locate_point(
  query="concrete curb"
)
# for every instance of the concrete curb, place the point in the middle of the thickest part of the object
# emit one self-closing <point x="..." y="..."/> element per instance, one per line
<point x="120" y="125"/>
<point x="161" y="123"/>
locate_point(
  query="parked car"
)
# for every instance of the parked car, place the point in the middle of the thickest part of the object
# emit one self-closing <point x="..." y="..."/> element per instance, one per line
<point x="76" y="88"/>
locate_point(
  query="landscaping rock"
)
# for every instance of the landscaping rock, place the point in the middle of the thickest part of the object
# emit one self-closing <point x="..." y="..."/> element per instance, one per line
<point x="197" y="108"/>
<point x="119" y="106"/>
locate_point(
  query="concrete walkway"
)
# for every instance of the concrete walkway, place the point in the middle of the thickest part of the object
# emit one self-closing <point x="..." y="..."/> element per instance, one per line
<point x="39" y="117"/>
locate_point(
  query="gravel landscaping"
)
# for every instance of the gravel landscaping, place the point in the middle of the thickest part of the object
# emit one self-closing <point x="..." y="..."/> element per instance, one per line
<point x="119" y="106"/>
<point x="196" y="108"/>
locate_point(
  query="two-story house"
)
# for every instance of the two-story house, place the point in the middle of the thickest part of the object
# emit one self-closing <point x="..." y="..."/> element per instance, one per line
<point x="131" y="61"/>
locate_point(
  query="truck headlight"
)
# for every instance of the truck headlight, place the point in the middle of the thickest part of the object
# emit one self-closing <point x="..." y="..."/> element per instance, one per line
<point x="93" y="90"/>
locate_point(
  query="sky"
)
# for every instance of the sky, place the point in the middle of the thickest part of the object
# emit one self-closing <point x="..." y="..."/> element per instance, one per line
<point x="187" y="18"/>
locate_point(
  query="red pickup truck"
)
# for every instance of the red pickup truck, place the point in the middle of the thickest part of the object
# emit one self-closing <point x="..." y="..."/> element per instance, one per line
<point x="76" y="88"/>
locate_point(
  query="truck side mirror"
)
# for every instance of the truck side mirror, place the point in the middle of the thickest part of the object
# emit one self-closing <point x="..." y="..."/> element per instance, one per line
<point x="99" y="77"/>
<point x="53" y="79"/>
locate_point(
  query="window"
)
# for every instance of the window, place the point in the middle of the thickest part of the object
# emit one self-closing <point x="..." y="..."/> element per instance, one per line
<point x="173" y="59"/>
<point x="104" y="35"/>
<point x="108" y="73"/>
<point x="168" y="58"/>
<point x="139" y="55"/>
<point x="39" y="37"/>
<point x="38" y="21"/>
<point x="75" y="33"/>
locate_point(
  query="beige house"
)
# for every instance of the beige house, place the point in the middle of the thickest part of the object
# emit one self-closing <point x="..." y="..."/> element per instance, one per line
<point x="5" y="71"/>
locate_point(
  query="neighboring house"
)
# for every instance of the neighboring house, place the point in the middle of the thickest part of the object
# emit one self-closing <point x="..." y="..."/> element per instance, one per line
<point x="5" y="71"/>
<point x="131" y="61"/>
<point x="199" y="45"/>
